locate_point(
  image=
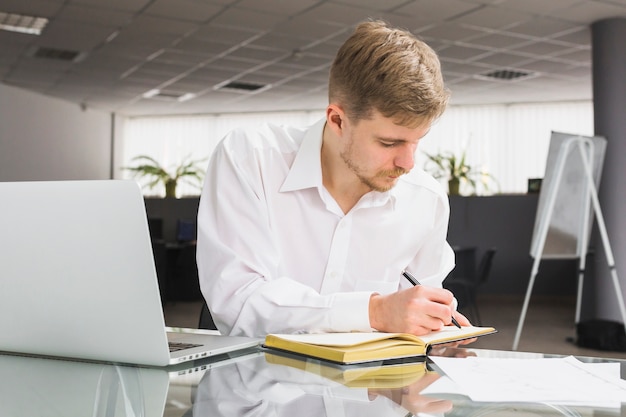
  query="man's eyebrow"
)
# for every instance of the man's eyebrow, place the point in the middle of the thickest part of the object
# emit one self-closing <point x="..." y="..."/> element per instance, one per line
<point x="390" y="139"/>
<point x="400" y="140"/>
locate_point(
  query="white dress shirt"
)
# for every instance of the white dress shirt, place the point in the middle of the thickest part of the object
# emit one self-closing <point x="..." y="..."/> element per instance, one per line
<point x="276" y="254"/>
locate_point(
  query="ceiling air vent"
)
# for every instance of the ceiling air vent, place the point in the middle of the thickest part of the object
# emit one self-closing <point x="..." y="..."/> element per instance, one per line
<point x="506" y="75"/>
<point x="58" y="54"/>
<point x="164" y="95"/>
<point x="240" y="86"/>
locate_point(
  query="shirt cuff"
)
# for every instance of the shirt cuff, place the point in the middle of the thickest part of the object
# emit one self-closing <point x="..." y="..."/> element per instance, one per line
<point x="350" y="312"/>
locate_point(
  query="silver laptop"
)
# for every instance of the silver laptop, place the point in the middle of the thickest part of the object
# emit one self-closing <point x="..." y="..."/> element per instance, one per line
<point x="78" y="280"/>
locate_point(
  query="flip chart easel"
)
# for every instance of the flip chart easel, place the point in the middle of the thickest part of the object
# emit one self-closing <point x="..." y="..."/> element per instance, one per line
<point x="564" y="219"/>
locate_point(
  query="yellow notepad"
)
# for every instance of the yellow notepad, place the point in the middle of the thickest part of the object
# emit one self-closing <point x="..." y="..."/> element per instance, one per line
<point x="356" y="376"/>
<point x="358" y="347"/>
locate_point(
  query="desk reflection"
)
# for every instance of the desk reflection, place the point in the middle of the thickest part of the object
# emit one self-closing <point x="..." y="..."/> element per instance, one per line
<point x="49" y="387"/>
<point x="275" y="385"/>
<point x="260" y="384"/>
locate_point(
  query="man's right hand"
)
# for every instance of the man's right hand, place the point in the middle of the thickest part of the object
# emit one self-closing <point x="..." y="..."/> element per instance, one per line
<point x="417" y="310"/>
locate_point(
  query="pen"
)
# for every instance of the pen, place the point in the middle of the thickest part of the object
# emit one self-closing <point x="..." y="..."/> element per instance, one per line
<point x="406" y="274"/>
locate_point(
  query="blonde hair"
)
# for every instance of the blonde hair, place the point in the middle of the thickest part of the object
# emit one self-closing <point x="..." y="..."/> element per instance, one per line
<point x="388" y="70"/>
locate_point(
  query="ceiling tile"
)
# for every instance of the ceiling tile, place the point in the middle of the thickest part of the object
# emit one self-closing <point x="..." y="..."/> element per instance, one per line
<point x="183" y="9"/>
<point x="581" y="35"/>
<point x="500" y="41"/>
<point x="546" y="66"/>
<point x="128" y="5"/>
<point x="200" y="47"/>
<point x="194" y="45"/>
<point x="580" y="56"/>
<point x="588" y="11"/>
<point x="335" y="13"/>
<point x="81" y="37"/>
<point x="258" y="54"/>
<point x="246" y="18"/>
<point x="225" y="34"/>
<point x="543" y="27"/>
<point x="281" y="41"/>
<point x="84" y="14"/>
<point x="450" y="31"/>
<point x="174" y="56"/>
<point x="310" y="29"/>
<point x="500" y="60"/>
<point x="462" y="53"/>
<point x="38" y="8"/>
<point x="377" y="5"/>
<point x="493" y="17"/>
<point x="278" y="7"/>
<point x="438" y="11"/>
<point x="546" y="48"/>
<point x="539" y="7"/>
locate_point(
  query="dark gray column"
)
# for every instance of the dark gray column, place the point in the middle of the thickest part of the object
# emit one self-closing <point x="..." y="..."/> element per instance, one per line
<point x="609" y="97"/>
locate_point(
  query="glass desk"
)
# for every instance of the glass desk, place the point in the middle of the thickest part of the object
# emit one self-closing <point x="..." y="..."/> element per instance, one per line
<point x="253" y="384"/>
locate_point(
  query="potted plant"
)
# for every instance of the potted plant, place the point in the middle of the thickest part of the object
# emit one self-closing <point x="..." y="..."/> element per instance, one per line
<point x="150" y="168"/>
<point x="455" y="170"/>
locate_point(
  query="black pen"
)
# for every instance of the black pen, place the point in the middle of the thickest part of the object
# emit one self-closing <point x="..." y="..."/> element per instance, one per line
<point x="406" y="274"/>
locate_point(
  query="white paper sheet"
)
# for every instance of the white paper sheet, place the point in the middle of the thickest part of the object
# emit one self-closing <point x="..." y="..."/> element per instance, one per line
<point x="547" y="380"/>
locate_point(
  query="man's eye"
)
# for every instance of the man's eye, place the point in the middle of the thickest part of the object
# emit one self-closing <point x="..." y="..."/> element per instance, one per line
<point x="388" y="144"/>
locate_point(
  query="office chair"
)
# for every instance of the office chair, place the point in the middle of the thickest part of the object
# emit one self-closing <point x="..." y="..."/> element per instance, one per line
<point x="465" y="289"/>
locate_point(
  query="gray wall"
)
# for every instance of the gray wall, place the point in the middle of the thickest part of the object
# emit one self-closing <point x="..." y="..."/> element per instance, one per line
<point x="506" y="222"/>
<point x="42" y="138"/>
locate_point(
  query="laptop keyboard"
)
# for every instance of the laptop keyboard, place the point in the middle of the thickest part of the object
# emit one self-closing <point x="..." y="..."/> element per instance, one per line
<point x="176" y="346"/>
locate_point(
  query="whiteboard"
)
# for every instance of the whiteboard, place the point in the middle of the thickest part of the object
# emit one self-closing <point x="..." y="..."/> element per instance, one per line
<point x="565" y="224"/>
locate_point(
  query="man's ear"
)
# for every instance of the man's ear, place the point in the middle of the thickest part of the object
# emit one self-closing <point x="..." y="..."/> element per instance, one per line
<point x="335" y="118"/>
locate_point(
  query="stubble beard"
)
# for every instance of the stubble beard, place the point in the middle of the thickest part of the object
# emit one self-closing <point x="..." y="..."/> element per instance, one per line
<point x="380" y="181"/>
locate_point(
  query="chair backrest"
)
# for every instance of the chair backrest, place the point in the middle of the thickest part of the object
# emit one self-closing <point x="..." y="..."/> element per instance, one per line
<point x="484" y="267"/>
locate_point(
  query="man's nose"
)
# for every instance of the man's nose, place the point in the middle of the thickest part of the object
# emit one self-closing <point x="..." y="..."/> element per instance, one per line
<point x="406" y="158"/>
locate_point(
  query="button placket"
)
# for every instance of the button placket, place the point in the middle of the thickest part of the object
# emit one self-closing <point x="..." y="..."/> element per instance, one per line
<point x="338" y="256"/>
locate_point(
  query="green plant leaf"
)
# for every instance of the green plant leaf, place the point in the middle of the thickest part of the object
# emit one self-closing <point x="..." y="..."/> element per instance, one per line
<point x="155" y="174"/>
<point x="449" y="166"/>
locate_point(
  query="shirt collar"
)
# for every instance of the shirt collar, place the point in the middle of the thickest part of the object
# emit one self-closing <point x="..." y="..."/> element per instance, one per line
<point x="306" y="170"/>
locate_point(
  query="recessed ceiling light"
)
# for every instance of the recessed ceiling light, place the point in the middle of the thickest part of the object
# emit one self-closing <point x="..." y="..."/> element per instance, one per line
<point x="151" y="93"/>
<point x="21" y="23"/>
<point x="161" y="95"/>
<point x="186" y="97"/>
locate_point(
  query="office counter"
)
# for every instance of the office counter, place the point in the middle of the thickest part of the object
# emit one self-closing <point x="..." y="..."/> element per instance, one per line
<point x="253" y="384"/>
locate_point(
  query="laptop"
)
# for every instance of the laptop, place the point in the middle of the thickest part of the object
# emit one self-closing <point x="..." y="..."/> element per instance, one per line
<point x="78" y="279"/>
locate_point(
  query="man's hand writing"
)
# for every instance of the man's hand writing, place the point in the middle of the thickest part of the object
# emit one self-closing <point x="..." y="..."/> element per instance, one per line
<point x="417" y="310"/>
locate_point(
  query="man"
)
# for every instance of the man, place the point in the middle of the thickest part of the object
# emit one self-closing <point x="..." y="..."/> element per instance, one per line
<point x="308" y="230"/>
